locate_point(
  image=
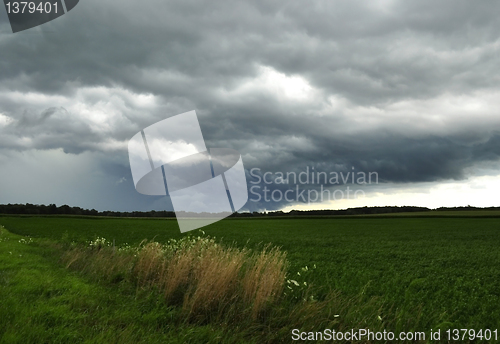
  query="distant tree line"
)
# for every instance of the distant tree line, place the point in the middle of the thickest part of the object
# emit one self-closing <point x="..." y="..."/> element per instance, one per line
<point x="52" y="209"/>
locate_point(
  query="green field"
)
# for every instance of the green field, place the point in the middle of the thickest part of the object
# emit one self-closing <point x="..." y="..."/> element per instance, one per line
<point x="427" y="272"/>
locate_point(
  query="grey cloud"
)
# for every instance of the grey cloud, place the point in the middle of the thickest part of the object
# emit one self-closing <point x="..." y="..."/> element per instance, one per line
<point x="28" y="120"/>
<point x="351" y="48"/>
<point x="195" y="55"/>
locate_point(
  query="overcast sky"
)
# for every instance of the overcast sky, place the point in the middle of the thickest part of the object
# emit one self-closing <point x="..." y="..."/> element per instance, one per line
<point x="407" y="89"/>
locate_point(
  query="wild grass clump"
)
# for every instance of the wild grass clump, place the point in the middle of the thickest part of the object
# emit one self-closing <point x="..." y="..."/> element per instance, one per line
<point x="264" y="281"/>
<point x="203" y="277"/>
<point x="244" y="290"/>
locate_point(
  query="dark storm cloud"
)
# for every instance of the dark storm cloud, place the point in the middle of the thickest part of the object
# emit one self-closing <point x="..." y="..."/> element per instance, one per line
<point x="391" y="82"/>
<point x="396" y="160"/>
<point x="367" y="52"/>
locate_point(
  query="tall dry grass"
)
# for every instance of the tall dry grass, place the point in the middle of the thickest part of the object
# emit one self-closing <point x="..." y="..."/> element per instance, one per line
<point x="264" y="281"/>
<point x="244" y="290"/>
<point x="203" y="277"/>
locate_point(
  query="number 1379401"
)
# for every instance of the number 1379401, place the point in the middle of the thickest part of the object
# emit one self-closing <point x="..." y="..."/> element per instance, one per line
<point x="31" y="7"/>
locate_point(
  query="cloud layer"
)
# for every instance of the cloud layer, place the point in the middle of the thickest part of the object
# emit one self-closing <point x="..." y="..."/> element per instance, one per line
<point x="408" y="89"/>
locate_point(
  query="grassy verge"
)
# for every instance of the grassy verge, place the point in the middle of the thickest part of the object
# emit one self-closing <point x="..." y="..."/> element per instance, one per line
<point x="207" y="281"/>
<point x="42" y="302"/>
